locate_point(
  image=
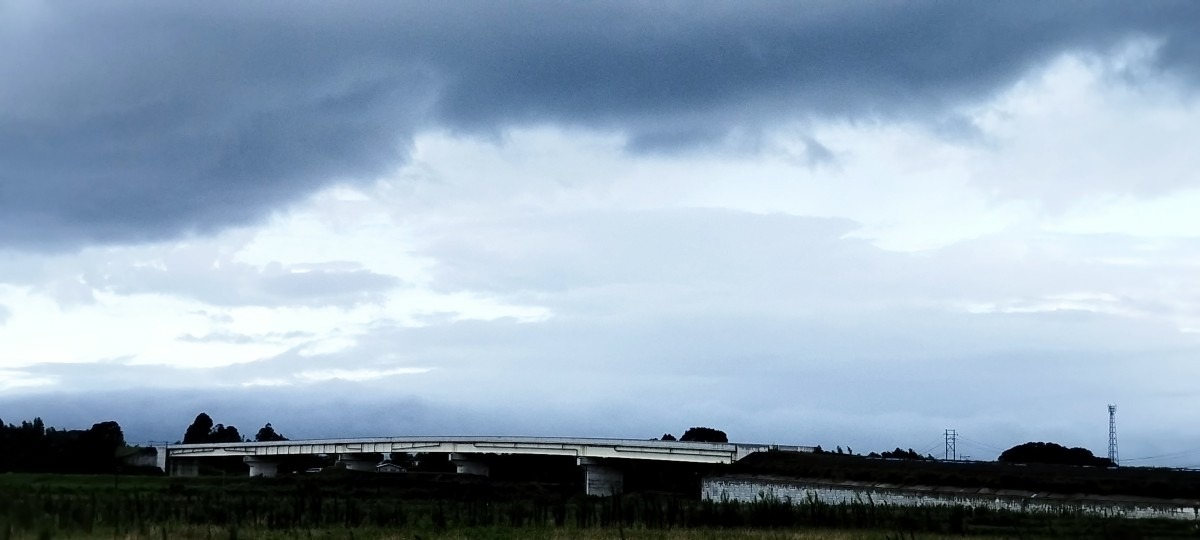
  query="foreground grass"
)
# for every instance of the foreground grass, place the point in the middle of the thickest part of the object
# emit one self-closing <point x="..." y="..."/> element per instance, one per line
<point x="490" y="533"/>
<point x="383" y="507"/>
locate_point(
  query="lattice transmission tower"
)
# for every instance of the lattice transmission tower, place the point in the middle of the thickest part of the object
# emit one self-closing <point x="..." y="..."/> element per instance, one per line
<point x="1113" y="456"/>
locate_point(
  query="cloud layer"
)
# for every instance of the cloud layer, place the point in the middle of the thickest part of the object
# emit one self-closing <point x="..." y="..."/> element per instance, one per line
<point x="808" y="223"/>
<point x="137" y="121"/>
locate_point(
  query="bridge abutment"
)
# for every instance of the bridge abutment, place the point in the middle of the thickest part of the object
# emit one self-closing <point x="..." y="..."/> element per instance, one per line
<point x="601" y="478"/>
<point x="469" y="464"/>
<point x="160" y="459"/>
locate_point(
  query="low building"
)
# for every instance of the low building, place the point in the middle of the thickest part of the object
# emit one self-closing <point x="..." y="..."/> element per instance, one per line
<point x="389" y="467"/>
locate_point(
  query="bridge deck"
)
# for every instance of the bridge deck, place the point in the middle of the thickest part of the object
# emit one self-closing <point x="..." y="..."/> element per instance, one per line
<point x="694" y="452"/>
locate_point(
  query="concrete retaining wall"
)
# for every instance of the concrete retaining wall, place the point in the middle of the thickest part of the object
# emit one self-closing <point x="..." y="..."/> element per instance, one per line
<point x="748" y="489"/>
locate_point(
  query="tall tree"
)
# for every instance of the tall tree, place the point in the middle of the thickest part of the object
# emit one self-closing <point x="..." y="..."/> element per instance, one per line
<point x="704" y="434"/>
<point x="95" y="449"/>
<point x="225" y="434"/>
<point x="108" y="434"/>
<point x="268" y="434"/>
<point x="199" y="431"/>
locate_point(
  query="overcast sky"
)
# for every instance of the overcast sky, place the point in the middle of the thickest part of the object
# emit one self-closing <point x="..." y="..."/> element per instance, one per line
<point x="817" y="222"/>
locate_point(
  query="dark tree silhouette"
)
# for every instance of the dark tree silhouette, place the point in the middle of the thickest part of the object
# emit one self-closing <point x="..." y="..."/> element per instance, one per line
<point x="33" y="447"/>
<point x="225" y="434"/>
<point x="108" y="434"/>
<point x="102" y="440"/>
<point x="199" y="431"/>
<point x="268" y="434"/>
<point x="96" y="448"/>
<point x="704" y="434"/>
<point x="902" y="454"/>
<point x="1052" y="454"/>
<point x="203" y="431"/>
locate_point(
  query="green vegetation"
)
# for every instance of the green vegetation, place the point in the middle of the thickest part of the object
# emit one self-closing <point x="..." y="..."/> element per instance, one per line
<point x="495" y="533"/>
<point x="346" y="505"/>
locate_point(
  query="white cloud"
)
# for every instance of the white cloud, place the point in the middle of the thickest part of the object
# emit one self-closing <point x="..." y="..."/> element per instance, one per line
<point x="1073" y="134"/>
<point x="11" y="380"/>
<point x="356" y="375"/>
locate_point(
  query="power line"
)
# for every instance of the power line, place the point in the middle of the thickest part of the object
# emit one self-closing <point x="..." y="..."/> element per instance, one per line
<point x="930" y="448"/>
<point x="980" y="444"/>
<point x="1180" y="453"/>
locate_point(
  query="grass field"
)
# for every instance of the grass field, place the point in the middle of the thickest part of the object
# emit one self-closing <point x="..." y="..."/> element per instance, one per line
<point x="220" y="533"/>
<point x="377" y="507"/>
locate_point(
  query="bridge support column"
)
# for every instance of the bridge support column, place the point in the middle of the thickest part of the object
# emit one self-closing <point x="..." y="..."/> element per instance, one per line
<point x="360" y="462"/>
<point x="160" y="459"/>
<point x="261" y="466"/>
<point x="469" y="464"/>
<point x="600" y="478"/>
<point x="185" y="467"/>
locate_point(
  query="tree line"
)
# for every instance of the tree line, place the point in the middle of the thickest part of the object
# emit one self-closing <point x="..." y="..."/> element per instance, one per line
<point x="33" y="447"/>
<point x="203" y="430"/>
<point x="699" y="434"/>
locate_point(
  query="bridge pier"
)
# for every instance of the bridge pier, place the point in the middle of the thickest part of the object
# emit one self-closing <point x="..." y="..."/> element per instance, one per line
<point x="360" y="462"/>
<point x="600" y="478"/>
<point x="469" y="464"/>
<point x="184" y="467"/>
<point x="261" y="467"/>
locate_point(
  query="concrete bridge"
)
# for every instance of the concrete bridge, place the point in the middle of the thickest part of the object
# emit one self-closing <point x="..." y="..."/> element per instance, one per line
<point x="599" y="458"/>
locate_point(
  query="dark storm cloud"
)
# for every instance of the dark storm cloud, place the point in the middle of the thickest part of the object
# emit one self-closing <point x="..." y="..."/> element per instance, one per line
<point x="132" y="121"/>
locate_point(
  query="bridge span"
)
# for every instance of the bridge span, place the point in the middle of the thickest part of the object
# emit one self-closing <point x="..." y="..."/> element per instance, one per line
<point x="598" y="457"/>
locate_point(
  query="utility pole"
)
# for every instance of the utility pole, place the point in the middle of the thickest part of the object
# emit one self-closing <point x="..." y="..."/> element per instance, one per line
<point x="951" y="438"/>
<point x="1113" y="456"/>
